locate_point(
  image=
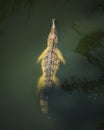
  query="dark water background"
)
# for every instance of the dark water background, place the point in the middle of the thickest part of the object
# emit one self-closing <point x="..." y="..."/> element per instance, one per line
<point x="23" y="35"/>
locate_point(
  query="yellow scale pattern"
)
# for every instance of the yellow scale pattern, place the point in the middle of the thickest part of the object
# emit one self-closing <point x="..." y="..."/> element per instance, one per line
<point x="50" y="60"/>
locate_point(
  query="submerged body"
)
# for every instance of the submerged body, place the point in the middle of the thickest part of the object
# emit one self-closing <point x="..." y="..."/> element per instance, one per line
<point x="50" y="61"/>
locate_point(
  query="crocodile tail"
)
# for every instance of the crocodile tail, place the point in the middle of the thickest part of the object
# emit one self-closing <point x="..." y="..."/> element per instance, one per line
<point x="43" y="97"/>
<point x="44" y="100"/>
<point x="44" y="91"/>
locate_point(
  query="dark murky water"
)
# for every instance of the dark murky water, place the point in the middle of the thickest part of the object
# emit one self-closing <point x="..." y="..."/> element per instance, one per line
<point x="79" y="103"/>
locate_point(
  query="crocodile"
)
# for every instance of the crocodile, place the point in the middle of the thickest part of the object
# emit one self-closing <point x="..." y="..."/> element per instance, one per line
<point x="50" y="61"/>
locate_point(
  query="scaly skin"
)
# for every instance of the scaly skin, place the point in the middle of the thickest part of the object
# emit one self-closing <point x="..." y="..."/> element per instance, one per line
<point x="50" y="61"/>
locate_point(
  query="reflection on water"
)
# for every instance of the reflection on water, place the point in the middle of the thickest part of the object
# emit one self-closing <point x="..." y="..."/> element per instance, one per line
<point x="89" y="44"/>
<point x="89" y="87"/>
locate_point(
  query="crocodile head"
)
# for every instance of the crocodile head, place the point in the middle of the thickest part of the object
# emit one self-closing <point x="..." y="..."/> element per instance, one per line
<point x="53" y="33"/>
